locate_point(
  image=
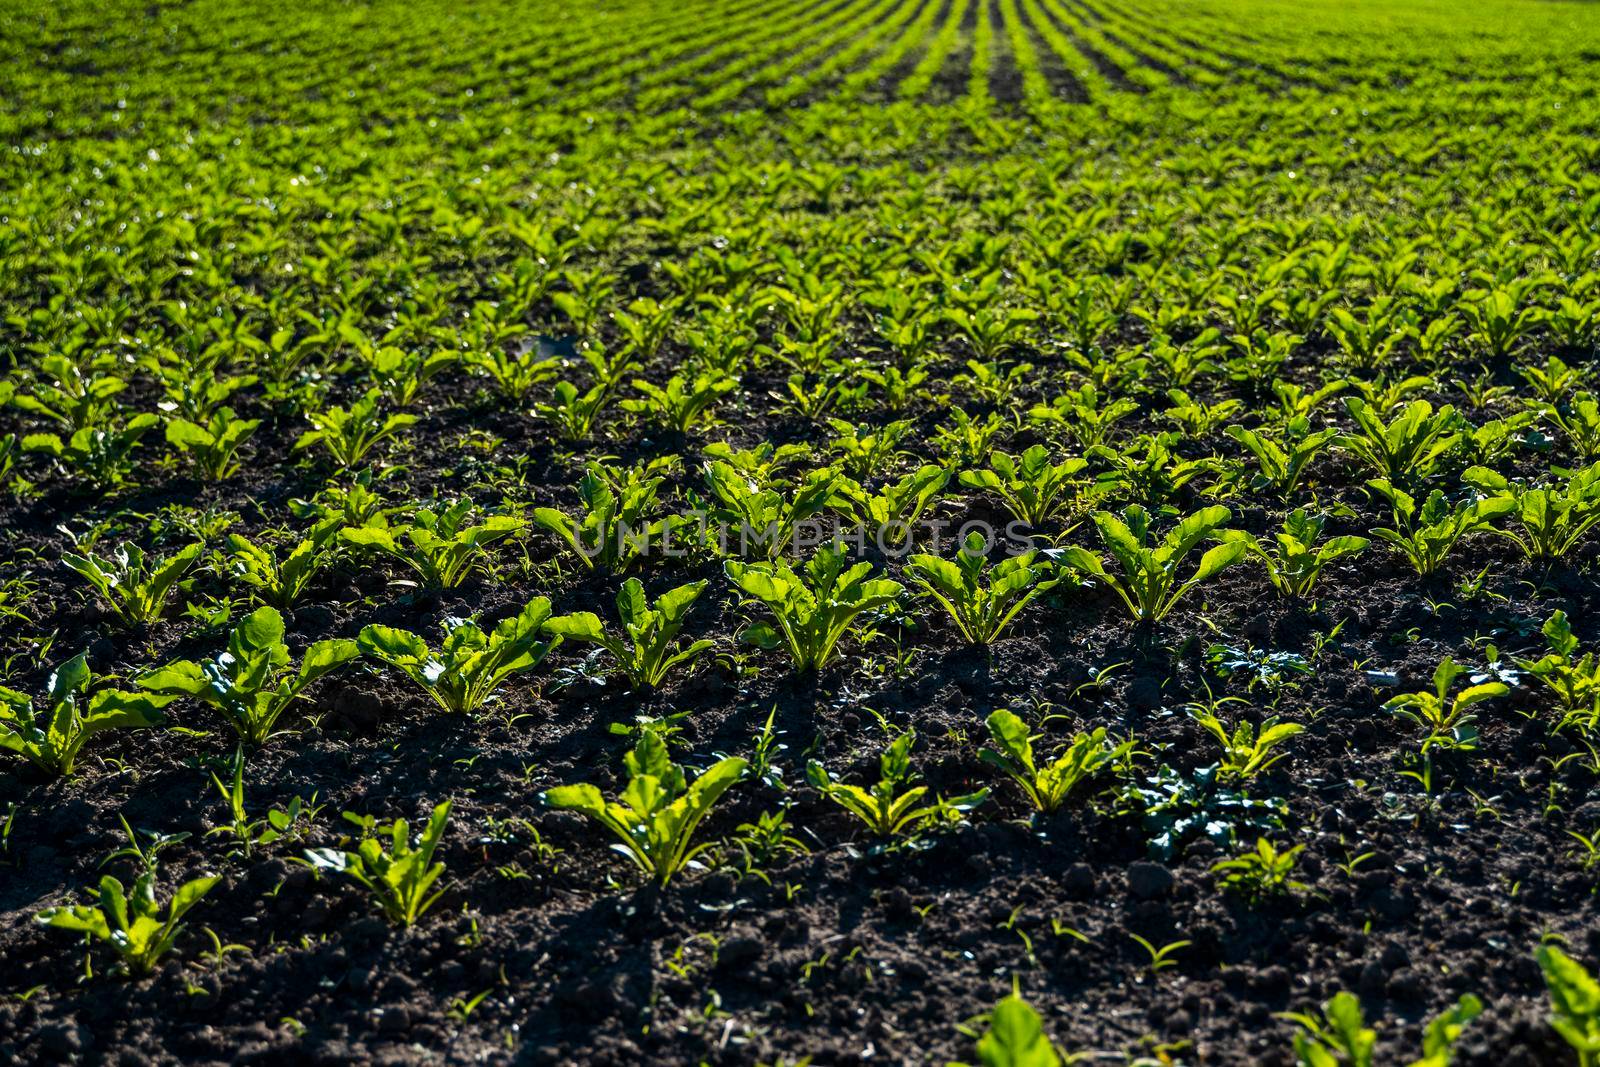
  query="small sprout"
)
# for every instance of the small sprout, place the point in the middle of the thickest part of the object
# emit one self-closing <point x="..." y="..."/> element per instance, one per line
<point x="132" y="923"/>
<point x="1448" y="720"/>
<point x="1265" y="872"/>
<point x="1015" y="1037"/>
<point x="1047" y="787"/>
<point x="893" y="808"/>
<point x="657" y="814"/>
<point x="469" y="666"/>
<point x="400" y="879"/>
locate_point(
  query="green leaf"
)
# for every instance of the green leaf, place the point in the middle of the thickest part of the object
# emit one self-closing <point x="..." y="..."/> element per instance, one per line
<point x="185" y="434"/>
<point x="189" y="894"/>
<point x="68" y="678"/>
<point x="262" y="628"/>
<point x="579" y="626"/>
<point x="324" y="656"/>
<point x="1010" y="735"/>
<point x="582" y="798"/>
<point x="758" y="581"/>
<point x="389" y="642"/>
<point x="1220" y="558"/>
<point x="1016" y="1037"/>
<point x="1081" y="559"/>
<point x="183" y="677"/>
<point x="370" y="537"/>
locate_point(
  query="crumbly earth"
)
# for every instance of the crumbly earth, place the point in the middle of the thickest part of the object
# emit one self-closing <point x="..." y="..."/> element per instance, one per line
<point x="351" y="138"/>
<point x="849" y="953"/>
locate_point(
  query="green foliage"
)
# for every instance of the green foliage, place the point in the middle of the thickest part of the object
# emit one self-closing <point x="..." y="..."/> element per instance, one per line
<point x="1175" y="808"/>
<point x="658" y="812"/>
<point x="1085" y="414"/>
<point x="1276" y="671"/>
<point x="135" y="587"/>
<point x="349" y="434"/>
<point x="400" y="375"/>
<point x="1574" y="1002"/>
<point x="1148" y="583"/>
<point x="1015" y="1038"/>
<point x="254" y="681"/>
<point x="52" y="738"/>
<point x="213" y="446"/>
<point x="1298" y="555"/>
<point x="1143" y="253"/>
<point x="1341" y="1037"/>
<point x="514" y="372"/>
<point x="980" y="611"/>
<point x="1447" y="719"/>
<point x="338" y="507"/>
<point x="682" y="403"/>
<point x="647" y="649"/>
<point x="469" y="664"/>
<point x="572" y="411"/>
<point x="893" y="807"/>
<point x="1281" y="462"/>
<point x="1547" y="522"/>
<point x="813" y="608"/>
<point x="131" y="923"/>
<point x="612" y="529"/>
<point x="442" y="546"/>
<point x="1578" y="420"/>
<point x="1425" y="535"/>
<point x="401" y="878"/>
<point x="865" y="452"/>
<point x="1029" y="486"/>
<point x="1047" y="787"/>
<point x="290" y="821"/>
<point x="278" y="581"/>
<point x="101" y="454"/>
<point x="966" y="440"/>
<point x="990" y="330"/>
<point x="1368" y="343"/>
<point x="1497" y="322"/>
<point x="10" y="446"/>
<point x="1196" y="419"/>
<point x="1265" y="872"/>
<point x="1247" y="750"/>
<point x="1148" y="472"/>
<point x="888" y="516"/>
<point x="1573" y="680"/>
<point x="1406" y="450"/>
<point x="762" y="517"/>
<point x="64" y="392"/>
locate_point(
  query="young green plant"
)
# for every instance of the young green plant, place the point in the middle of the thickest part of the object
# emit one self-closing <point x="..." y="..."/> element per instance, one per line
<point x="656" y="815"/>
<point x="981" y="611"/>
<point x="893" y="807"/>
<point x="1048" y="787"/>
<point x="401" y="878"/>
<point x="814" y="608"/>
<point x="253" y="682"/>
<point x="469" y="665"/>
<point x="131" y="923"/>
<point x="52" y="740"/>
<point x="647" y="649"/>
<point x="1148" y="584"/>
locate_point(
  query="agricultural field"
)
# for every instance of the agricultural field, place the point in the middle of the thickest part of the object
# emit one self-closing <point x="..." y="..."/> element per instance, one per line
<point x="815" y="532"/>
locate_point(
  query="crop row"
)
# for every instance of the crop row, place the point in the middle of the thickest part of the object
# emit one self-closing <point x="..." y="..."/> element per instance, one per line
<point x="650" y="57"/>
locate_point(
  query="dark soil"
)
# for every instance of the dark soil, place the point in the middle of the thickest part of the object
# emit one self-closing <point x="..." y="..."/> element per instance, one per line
<point x="546" y="948"/>
<point x="847" y="954"/>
